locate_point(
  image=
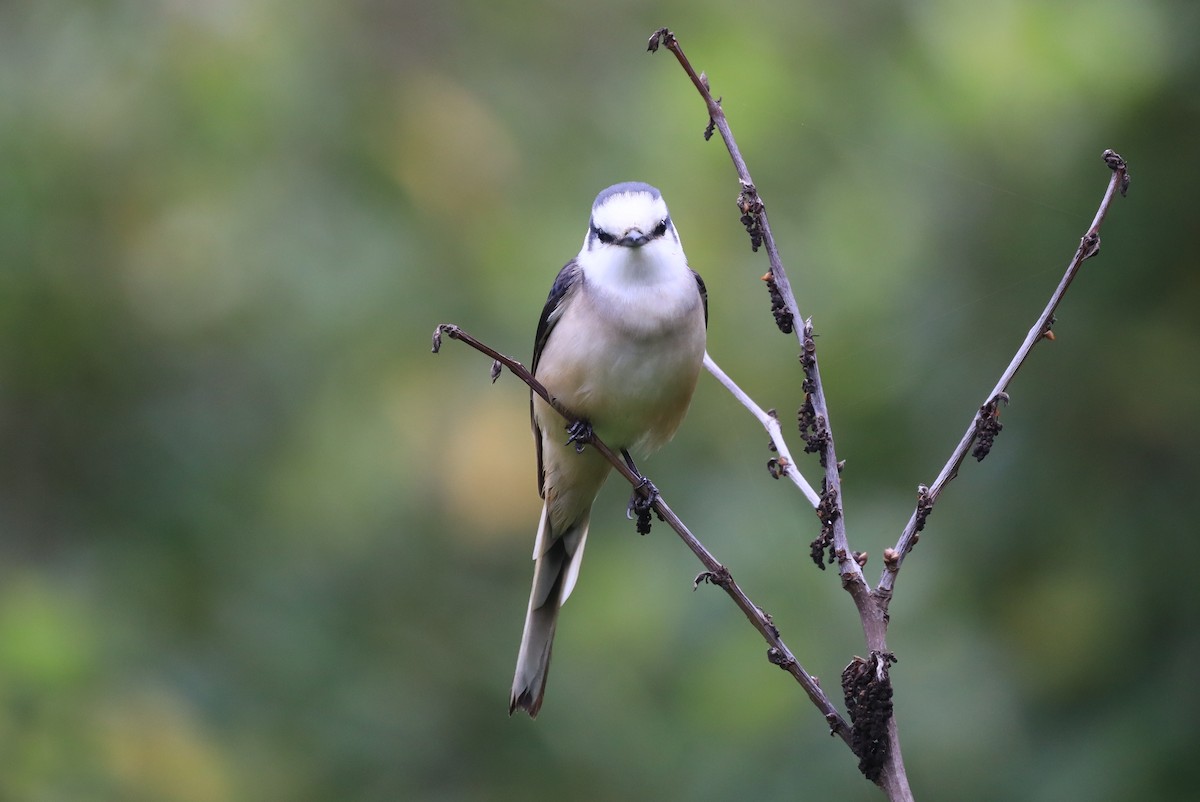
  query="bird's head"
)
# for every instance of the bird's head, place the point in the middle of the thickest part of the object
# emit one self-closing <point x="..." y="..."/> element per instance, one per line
<point x="629" y="215"/>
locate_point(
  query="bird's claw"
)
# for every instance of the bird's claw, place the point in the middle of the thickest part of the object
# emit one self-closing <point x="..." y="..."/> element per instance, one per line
<point x="641" y="502"/>
<point x="580" y="433"/>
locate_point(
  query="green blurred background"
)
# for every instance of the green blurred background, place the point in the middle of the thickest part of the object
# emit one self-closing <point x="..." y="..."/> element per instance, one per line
<point x="256" y="543"/>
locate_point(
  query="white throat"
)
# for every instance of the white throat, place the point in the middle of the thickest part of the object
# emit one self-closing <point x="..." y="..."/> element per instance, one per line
<point x="621" y="270"/>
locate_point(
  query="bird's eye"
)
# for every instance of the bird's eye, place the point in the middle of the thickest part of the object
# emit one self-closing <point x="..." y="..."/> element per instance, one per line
<point x="603" y="235"/>
<point x="660" y="229"/>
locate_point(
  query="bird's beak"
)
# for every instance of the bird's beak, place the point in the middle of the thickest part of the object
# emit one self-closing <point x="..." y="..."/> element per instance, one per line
<point x="634" y="238"/>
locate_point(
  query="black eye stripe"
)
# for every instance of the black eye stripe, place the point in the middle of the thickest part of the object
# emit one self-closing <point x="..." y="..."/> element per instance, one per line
<point x="603" y="236"/>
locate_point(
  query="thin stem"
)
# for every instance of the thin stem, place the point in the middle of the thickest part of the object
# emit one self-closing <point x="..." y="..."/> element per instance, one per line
<point x="892" y="777"/>
<point x="873" y="605"/>
<point x="760" y="227"/>
<point x="1089" y="246"/>
<point x="787" y="465"/>
<point x="714" y="573"/>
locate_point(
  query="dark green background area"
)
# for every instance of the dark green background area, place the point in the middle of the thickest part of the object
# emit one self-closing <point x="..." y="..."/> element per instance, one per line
<point x="256" y="543"/>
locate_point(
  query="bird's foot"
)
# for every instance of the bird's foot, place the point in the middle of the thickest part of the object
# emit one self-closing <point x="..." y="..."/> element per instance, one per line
<point x="580" y="434"/>
<point x="641" y="503"/>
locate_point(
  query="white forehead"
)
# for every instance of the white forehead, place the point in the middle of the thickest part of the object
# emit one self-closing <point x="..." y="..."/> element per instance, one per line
<point x="620" y="211"/>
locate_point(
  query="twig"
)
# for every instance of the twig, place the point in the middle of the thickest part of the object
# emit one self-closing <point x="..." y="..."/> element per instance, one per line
<point x="715" y="573"/>
<point x="872" y="606"/>
<point x="785" y="465"/>
<point x="754" y="217"/>
<point x="889" y="772"/>
<point x="866" y="683"/>
<point x="984" y="422"/>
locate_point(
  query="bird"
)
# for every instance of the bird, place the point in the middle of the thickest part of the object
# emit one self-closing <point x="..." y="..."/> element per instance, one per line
<point x="620" y="343"/>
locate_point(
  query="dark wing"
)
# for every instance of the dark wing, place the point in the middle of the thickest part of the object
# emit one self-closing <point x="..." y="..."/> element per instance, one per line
<point x="563" y="282"/>
<point x="566" y="280"/>
<point x="703" y="295"/>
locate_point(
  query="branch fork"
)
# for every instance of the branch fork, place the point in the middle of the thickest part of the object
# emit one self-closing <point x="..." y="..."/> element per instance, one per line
<point x="872" y="733"/>
<point x="879" y="753"/>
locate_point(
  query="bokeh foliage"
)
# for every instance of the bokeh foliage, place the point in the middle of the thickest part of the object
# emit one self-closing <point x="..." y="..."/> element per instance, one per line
<point x="256" y="543"/>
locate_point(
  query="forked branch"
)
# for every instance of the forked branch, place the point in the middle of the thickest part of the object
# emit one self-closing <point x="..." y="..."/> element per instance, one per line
<point x="873" y="722"/>
<point x="866" y="682"/>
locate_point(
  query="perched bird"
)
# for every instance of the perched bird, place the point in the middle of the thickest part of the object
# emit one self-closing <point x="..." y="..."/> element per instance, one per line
<point x="620" y="343"/>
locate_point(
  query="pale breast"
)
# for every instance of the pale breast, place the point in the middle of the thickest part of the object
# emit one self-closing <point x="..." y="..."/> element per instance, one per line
<point x="628" y="362"/>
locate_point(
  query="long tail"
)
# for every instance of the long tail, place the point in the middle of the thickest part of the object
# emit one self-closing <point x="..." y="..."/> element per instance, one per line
<point x="557" y="568"/>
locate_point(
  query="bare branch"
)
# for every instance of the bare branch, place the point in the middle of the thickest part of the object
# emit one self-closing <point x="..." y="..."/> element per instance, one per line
<point x="984" y="426"/>
<point x="816" y="426"/>
<point x="866" y="682"/>
<point x="887" y="768"/>
<point x="786" y="311"/>
<point x="715" y="573"/>
<point x="785" y="465"/>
